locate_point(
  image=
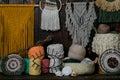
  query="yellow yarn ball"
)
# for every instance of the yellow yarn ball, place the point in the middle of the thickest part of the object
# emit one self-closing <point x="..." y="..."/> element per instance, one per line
<point x="35" y="66"/>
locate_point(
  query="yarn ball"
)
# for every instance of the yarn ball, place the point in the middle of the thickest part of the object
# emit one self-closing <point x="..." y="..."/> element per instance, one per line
<point x="67" y="70"/>
<point x="45" y="65"/>
<point x="103" y="28"/>
<point x="35" y="67"/>
<point x="27" y="62"/>
<point x="36" y="52"/>
<point x="77" y="52"/>
<point x="55" y="51"/>
<point x="12" y="64"/>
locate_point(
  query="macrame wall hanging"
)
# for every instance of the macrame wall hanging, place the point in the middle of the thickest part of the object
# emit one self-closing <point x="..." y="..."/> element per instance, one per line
<point x="16" y="27"/>
<point x="109" y="10"/>
<point x="50" y="16"/>
<point x="80" y="21"/>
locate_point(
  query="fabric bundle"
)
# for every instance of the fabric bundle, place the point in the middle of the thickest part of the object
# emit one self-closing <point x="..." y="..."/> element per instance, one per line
<point x="55" y="53"/>
<point x="16" y="27"/>
<point x="80" y="21"/>
<point x="102" y="42"/>
<point x="50" y="18"/>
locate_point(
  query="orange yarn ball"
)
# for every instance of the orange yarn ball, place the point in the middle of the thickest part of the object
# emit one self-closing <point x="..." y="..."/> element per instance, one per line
<point x="36" y="52"/>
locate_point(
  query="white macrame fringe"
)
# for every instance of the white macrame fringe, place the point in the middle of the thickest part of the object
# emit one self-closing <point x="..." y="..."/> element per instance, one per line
<point x="50" y="18"/>
<point x="80" y="21"/>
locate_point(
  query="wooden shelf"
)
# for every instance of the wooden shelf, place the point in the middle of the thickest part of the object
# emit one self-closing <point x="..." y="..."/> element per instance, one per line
<point x="53" y="77"/>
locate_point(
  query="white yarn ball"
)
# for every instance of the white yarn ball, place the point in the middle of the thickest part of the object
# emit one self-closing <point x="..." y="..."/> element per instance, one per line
<point x="67" y="71"/>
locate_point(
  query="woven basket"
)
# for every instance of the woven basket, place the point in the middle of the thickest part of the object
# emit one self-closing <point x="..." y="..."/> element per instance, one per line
<point x="80" y="68"/>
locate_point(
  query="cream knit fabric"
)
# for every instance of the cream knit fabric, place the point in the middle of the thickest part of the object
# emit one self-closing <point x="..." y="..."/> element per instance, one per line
<point x="102" y="42"/>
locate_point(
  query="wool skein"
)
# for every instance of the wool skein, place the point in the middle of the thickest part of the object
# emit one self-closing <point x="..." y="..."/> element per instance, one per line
<point x="55" y="53"/>
<point x="36" y="54"/>
<point x="45" y="65"/>
<point x="27" y="62"/>
<point x="35" y="67"/>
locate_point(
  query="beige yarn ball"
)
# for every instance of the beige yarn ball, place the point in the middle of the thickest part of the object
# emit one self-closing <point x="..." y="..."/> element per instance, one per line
<point x="77" y="52"/>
